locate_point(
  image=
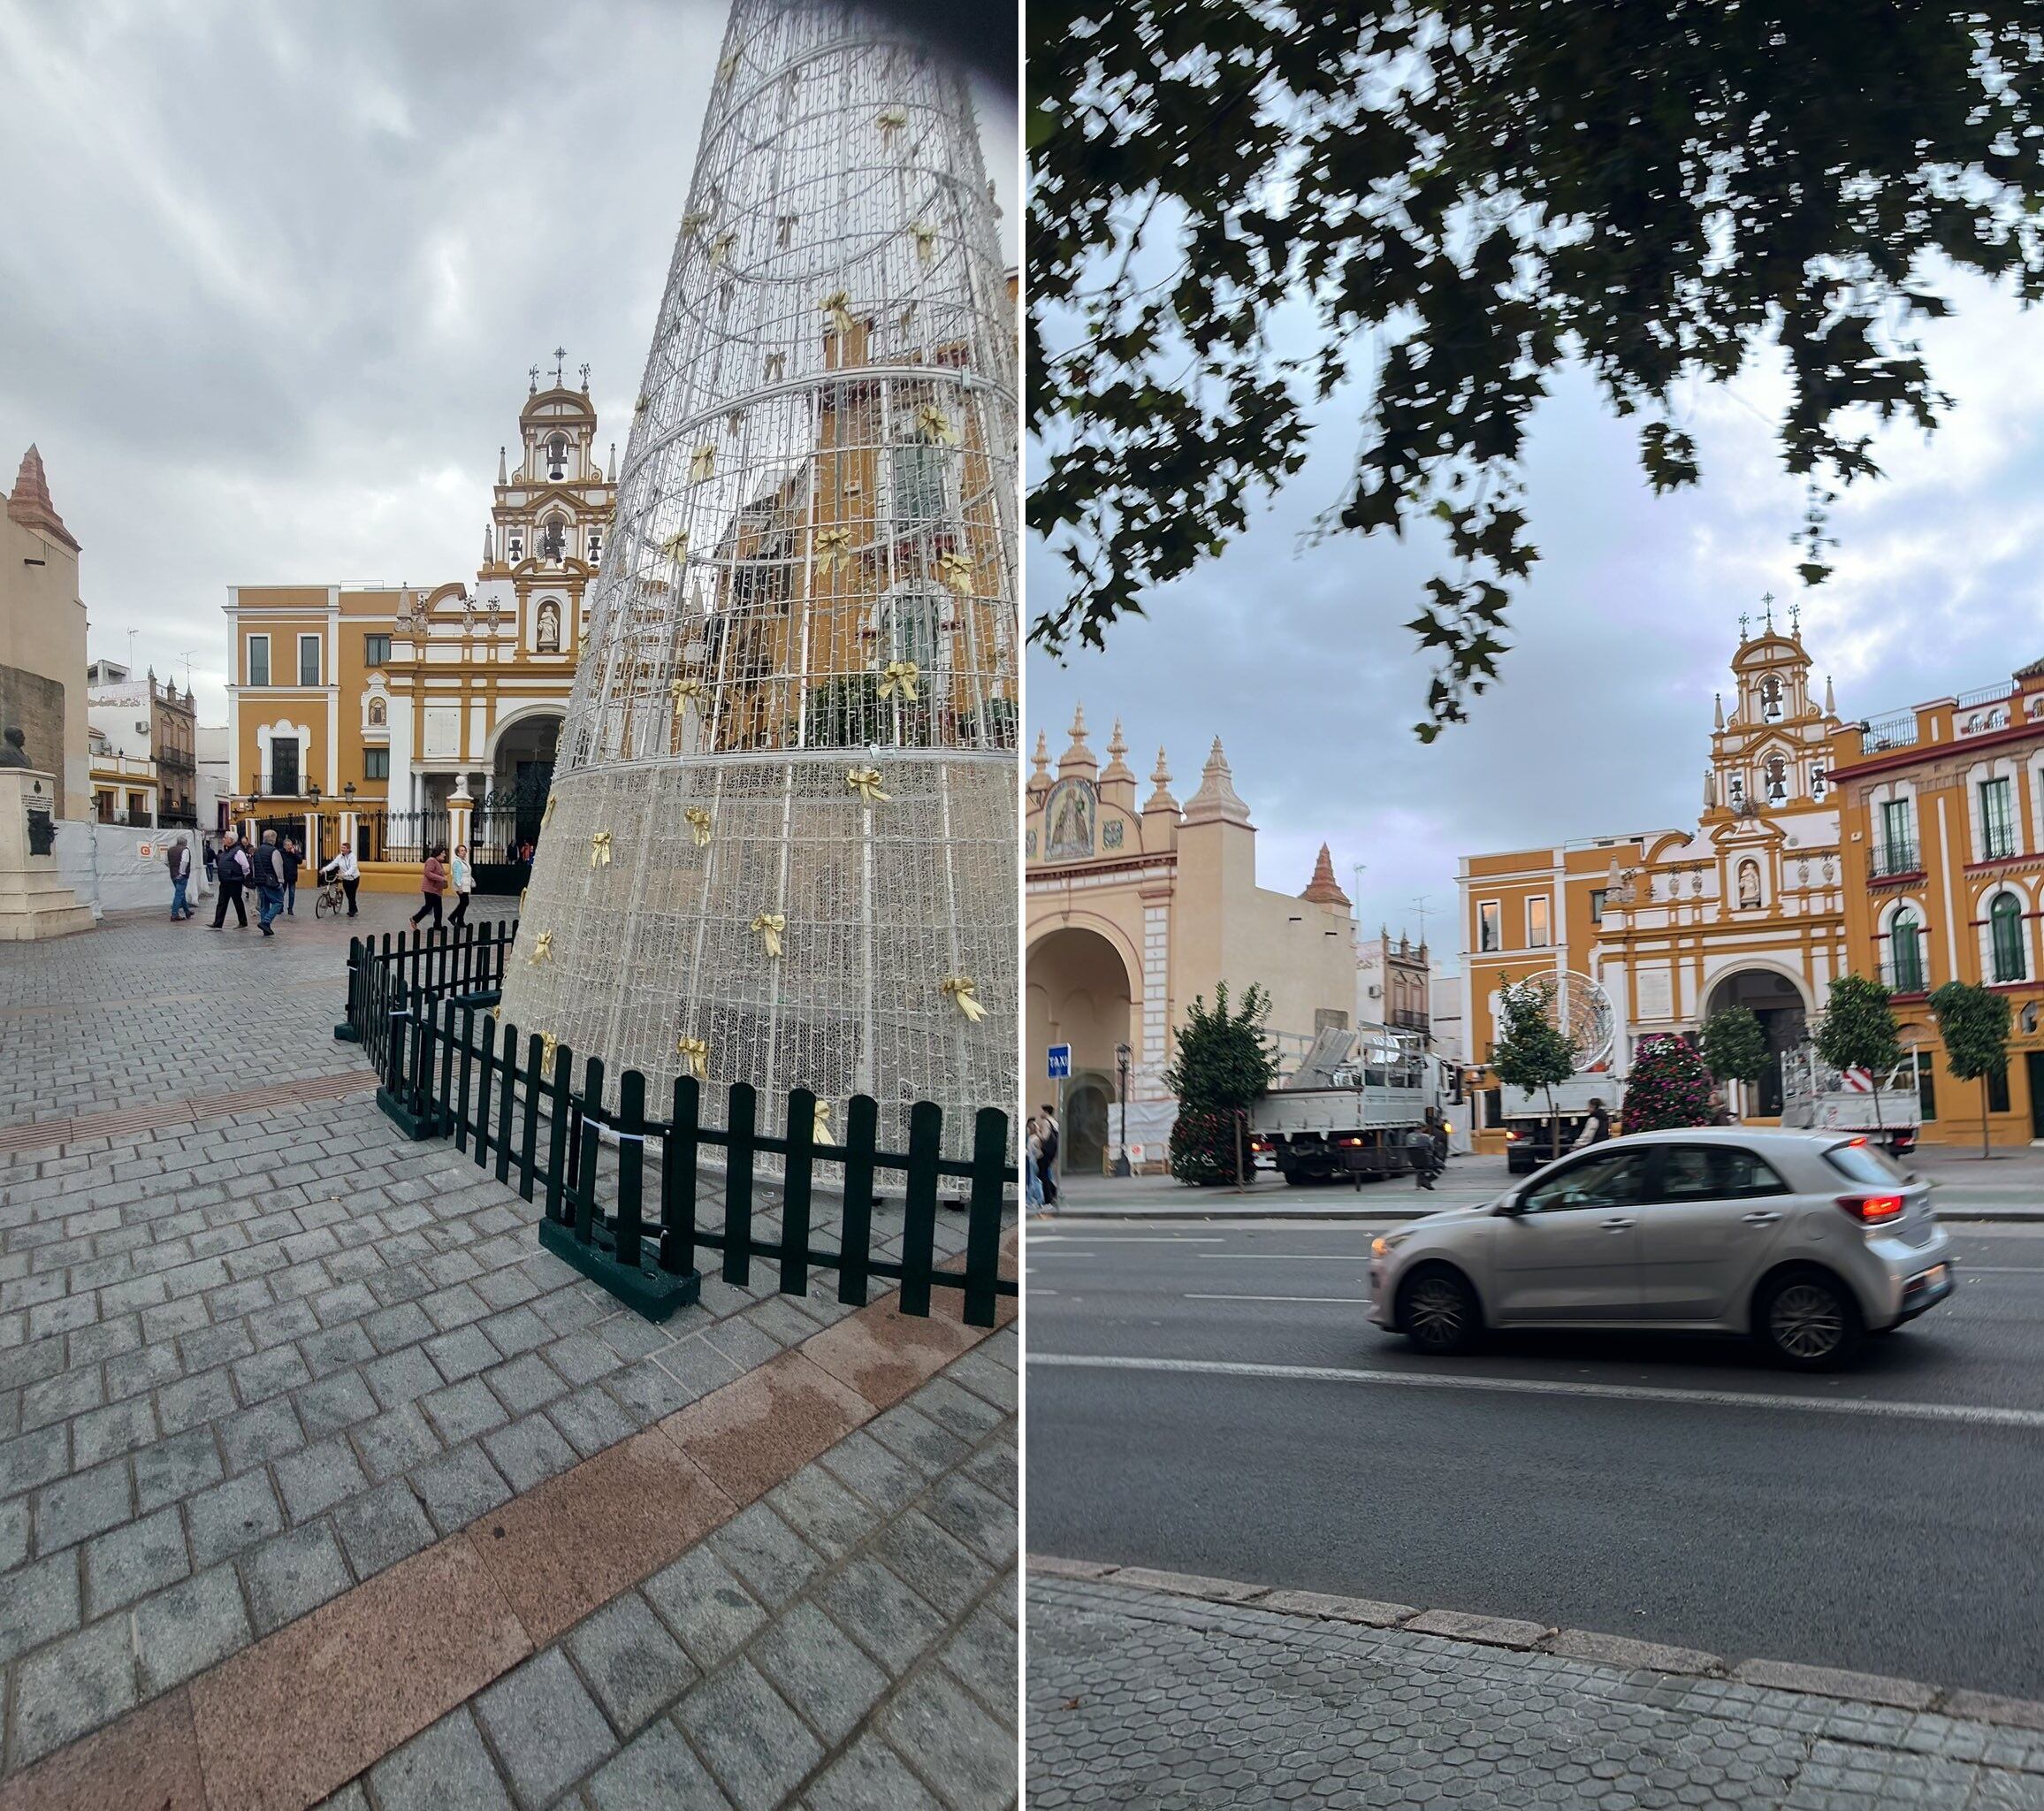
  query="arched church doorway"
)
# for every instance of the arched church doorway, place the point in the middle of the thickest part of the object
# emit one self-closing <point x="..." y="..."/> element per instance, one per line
<point x="1777" y="1002"/>
<point x="508" y="818"/>
<point x="1076" y="992"/>
<point x="1082" y="1149"/>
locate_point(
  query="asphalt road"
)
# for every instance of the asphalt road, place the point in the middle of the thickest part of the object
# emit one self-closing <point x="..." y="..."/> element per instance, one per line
<point x="1889" y="1519"/>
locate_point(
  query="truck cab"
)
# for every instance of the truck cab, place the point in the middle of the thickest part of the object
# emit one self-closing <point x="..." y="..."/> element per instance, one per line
<point x="1353" y="1108"/>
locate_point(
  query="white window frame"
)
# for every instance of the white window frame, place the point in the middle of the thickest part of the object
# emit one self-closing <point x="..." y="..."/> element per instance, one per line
<point x="1495" y="911"/>
<point x="2023" y="927"/>
<point x="318" y="661"/>
<point x="249" y="662"/>
<point x="1889" y="978"/>
<point x="1546" y="938"/>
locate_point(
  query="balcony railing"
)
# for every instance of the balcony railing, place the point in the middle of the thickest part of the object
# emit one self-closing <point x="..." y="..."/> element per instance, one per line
<point x="1409" y="1022"/>
<point x="1984" y="694"/>
<point x="1892" y="856"/>
<point x="1898" y="731"/>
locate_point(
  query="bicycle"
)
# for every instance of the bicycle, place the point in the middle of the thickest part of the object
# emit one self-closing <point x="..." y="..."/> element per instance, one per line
<point x="331" y="898"/>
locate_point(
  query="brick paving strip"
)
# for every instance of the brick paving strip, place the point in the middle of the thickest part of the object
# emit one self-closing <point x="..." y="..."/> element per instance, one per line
<point x="1149" y="1686"/>
<point x="184" y="1110"/>
<point x="326" y="1697"/>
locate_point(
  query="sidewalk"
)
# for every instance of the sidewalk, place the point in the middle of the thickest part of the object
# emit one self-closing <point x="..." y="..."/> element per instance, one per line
<point x="271" y="1376"/>
<point x="1140" y="1693"/>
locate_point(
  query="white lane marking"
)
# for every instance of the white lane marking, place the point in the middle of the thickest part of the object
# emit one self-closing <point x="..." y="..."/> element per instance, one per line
<point x="1120" y="1239"/>
<point x="1289" y="1256"/>
<point x="1966" y="1413"/>
<point x="1999" y="1270"/>
<point x="1354" y="1301"/>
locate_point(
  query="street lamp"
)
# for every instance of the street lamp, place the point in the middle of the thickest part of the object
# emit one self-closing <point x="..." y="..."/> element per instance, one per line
<point x="312" y="792"/>
<point x="1122" y="1167"/>
<point x="348" y="792"/>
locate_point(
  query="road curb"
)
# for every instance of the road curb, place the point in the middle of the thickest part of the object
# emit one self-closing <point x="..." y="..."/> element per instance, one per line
<point x="1570" y="1644"/>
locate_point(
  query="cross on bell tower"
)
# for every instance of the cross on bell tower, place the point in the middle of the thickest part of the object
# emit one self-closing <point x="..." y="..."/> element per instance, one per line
<point x="560" y="356"/>
<point x="1767" y="599"/>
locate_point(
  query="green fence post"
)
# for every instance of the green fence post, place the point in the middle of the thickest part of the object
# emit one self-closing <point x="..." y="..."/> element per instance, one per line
<point x="529" y="1145"/>
<point x="587" y="1141"/>
<point x="627" y="1222"/>
<point x="678" y="1176"/>
<point x="919" y="1221"/>
<point x="560" y="1109"/>
<point x="739" y="1151"/>
<point x="509" y="1082"/>
<point x="855" y="1257"/>
<point x="796" y="1180"/>
<point x="349" y="1029"/>
<point x="990" y="1174"/>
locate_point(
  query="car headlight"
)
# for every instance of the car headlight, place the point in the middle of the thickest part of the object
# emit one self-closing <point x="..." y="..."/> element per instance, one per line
<point x="1385" y="1243"/>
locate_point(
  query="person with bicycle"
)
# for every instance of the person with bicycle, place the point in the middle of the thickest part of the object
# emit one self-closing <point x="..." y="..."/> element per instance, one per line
<point x="344" y="869"/>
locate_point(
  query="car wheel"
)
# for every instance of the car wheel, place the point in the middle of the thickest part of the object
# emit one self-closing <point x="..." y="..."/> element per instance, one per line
<point x="1298" y="1178"/>
<point x="1437" y="1312"/>
<point x="1807" y="1321"/>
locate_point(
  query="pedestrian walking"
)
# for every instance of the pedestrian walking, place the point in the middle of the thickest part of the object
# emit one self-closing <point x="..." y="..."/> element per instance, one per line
<point x="463" y="879"/>
<point x="267" y="866"/>
<point x="177" y="856"/>
<point x="234" y="868"/>
<point x="349" y="869"/>
<point x="212" y="862"/>
<point x="292" y="856"/>
<point x="1596" y="1128"/>
<point x="1047" y="1167"/>
<point x="1032" y="1168"/>
<point x="1429" y="1154"/>
<point x="433" y="884"/>
<point x="1720" y="1114"/>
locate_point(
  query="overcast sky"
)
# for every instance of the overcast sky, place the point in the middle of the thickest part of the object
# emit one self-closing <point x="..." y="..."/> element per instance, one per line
<point x="273" y="274"/>
<point x="1602" y="722"/>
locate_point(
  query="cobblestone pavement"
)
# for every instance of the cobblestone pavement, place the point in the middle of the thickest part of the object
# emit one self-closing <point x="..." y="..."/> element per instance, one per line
<point x="1137" y="1697"/>
<point x="846" y="1644"/>
<point x="247" y="1362"/>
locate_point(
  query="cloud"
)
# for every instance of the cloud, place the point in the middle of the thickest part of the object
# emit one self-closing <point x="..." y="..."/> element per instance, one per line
<point x="1601" y="723"/>
<point x="274" y="273"/>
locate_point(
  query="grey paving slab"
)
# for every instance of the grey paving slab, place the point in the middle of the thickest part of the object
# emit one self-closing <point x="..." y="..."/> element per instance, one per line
<point x="292" y="1574"/>
<point x="630" y="1662"/>
<point x="445" y="1768"/>
<point x="544" y="1727"/>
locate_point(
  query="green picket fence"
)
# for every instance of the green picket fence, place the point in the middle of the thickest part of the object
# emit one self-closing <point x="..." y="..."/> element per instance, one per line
<point x="621" y="1192"/>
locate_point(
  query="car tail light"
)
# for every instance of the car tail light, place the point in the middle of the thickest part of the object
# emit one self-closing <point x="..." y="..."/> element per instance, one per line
<point x="1511" y="1138"/>
<point x="1873" y="1210"/>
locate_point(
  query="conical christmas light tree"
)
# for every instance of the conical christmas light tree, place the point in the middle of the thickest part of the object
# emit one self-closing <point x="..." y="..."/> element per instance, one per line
<point x="780" y="847"/>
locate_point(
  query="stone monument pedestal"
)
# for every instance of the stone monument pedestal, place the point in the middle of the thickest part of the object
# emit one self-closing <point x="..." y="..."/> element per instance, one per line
<point x="34" y="903"/>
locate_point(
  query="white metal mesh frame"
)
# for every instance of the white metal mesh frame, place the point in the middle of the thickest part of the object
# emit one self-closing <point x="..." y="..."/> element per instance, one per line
<point x="795" y="718"/>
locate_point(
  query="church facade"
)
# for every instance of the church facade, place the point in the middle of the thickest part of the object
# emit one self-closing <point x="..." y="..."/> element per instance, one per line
<point x="388" y="717"/>
<point x="1748" y="907"/>
<point x="1132" y="910"/>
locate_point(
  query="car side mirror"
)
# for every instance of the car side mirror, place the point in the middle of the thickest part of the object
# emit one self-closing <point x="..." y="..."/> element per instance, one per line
<point x="1512" y="1205"/>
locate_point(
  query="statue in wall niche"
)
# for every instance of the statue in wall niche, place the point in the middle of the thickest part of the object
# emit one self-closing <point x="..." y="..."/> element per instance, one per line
<point x="12" y="754"/>
<point x="1749" y="885"/>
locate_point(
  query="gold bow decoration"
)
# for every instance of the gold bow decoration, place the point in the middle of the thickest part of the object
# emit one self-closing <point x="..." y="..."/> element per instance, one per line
<point x="776" y="366"/>
<point x="600" y="850"/>
<point x="703" y="466"/>
<point x="546" y="816"/>
<point x="832" y="548"/>
<point x="698" y="821"/>
<point x="926" y="238"/>
<point x="728" y="67"/>
<point x="548" y="1046"/>
<point x="933" y="424"/>
<point x="866" y="782"/>
<point x="683" y="689"/>
<point x="890" y="121"/>
<point x="956" y="569"/>
<point x="497" y="1012"/>
<point x="838" y="306"/>
<point x="820" y="1132"/>
<point x="543" y="949"/>
<point x="642" y="405"/>
<point x="963" y="993"/>
<point x="768" y="926"/>
<point x="900" y="676"/>
<point x="696" y="1054"/>
<point x="695" y="220"/>
<point x="720" y="248"/>
<point x="676" y="546"/>
<point x="522" y="893"/>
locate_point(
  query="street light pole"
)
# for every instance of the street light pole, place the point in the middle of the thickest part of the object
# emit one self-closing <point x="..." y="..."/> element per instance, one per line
<point x="1122" y="1167"/>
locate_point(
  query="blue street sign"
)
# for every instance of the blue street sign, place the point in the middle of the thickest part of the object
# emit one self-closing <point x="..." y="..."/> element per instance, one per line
<point x="1060" y="1062"/>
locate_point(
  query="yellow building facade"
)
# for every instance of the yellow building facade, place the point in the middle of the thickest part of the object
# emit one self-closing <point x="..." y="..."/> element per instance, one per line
<point x="1134" y="909"/>
<point x="394" y="717"/>
<point x="1748" y="907"/>
<point x="1943" y="822"/>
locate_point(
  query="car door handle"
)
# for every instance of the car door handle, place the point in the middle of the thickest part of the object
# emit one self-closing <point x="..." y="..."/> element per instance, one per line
<point x="1760" y="1216"/>
<point x="1618" y="1226"/>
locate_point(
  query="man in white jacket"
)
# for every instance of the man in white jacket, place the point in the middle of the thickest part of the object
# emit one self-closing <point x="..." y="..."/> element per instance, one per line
<point x="350" y="872"/>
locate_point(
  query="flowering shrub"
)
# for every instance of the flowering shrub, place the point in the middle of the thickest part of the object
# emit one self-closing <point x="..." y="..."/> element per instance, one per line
<point x="1670" y="1088"/>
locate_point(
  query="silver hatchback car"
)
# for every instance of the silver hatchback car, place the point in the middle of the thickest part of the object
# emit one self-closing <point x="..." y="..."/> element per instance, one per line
<point x="1806" y="1241"/>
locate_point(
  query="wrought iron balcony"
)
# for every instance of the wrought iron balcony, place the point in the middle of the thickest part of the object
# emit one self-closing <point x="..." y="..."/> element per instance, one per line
<point x="1891" y="855"/>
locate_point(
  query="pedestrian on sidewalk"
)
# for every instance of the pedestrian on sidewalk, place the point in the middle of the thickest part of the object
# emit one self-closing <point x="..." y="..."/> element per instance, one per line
<point x="234" y="869"/>
<point x="1429" y="1153"/>
<point x="464" y="884"/>
<point x="178" y="858"/>
<point x="1595" y="1128"/>
<point x="268" y="865"/>
<point x="1046" y="1164"/>
<point x="349" y="869"/>
<point x="432" y="884"/>
<point x="1720" y="1114"/>
<point x="1033" y="1161"/>
<point x="212" y="860"/>
<point x="292" y="856"/>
